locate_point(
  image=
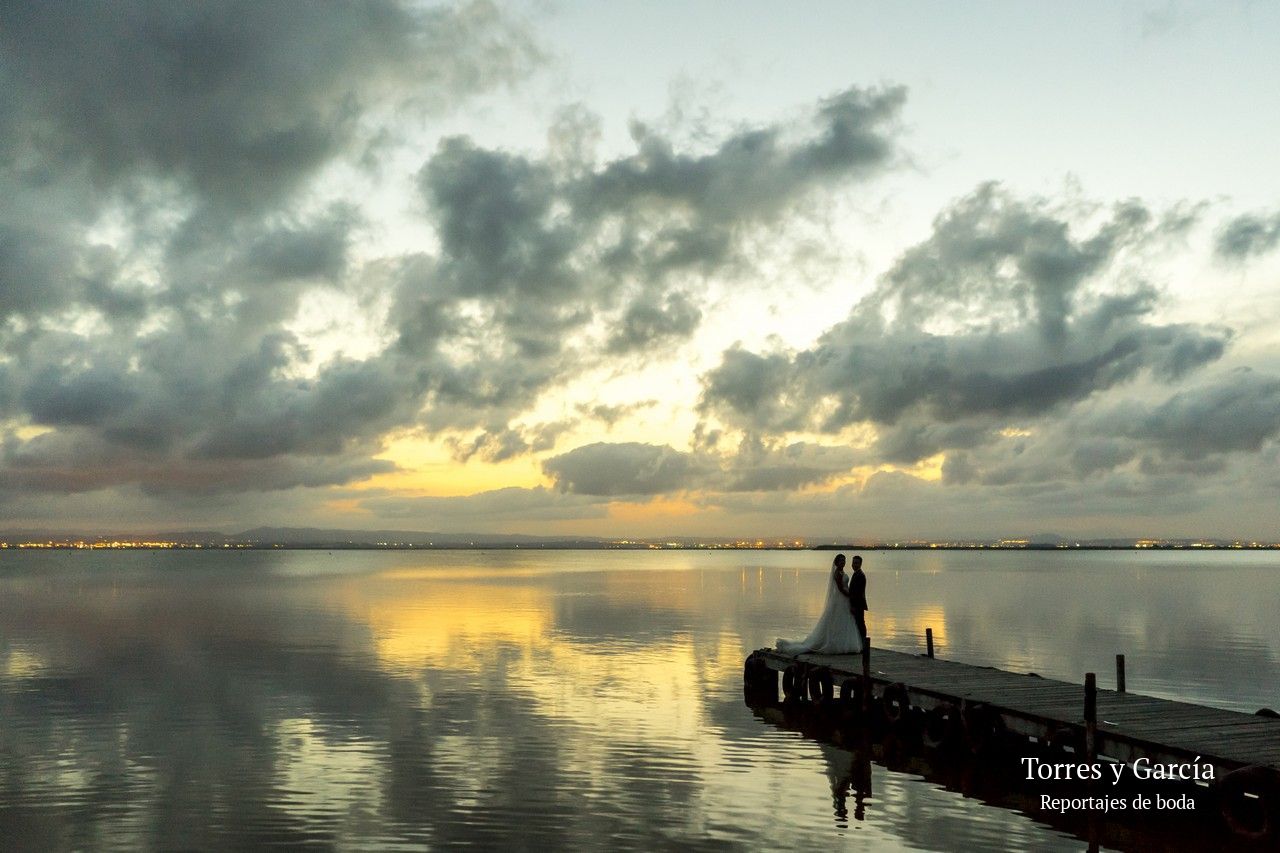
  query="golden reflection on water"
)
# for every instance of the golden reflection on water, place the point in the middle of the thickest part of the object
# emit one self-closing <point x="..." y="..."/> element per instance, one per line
<point x="618" y="701"/>
<point x="417" y="623"/>
<point x="908" y="629"/>
<point x="21" y="663"/>
<point x="619" y="690"/>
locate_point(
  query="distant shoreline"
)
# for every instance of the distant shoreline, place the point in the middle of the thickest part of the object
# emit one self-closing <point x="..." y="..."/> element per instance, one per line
<point x="631" y="546"/>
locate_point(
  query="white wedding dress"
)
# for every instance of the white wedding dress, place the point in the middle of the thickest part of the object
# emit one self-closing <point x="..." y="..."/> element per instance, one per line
<point x="836" y="633"/>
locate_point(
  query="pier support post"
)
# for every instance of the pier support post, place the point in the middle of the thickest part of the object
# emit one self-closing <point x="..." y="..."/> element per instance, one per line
<point x="866" y="674"/>
<point x="1119" y="673"/>
<point x="928" y="641"/>
<point x="1090" y="716"/>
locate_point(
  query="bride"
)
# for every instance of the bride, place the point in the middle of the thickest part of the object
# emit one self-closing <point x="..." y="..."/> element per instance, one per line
<point x="836" y="632"/>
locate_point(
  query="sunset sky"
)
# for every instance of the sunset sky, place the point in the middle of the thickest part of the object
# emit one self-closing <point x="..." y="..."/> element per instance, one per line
<point x="868" y="270"/>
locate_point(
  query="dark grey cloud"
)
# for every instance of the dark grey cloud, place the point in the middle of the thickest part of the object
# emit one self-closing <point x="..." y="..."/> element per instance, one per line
<point x="1210" y="429"/>
<point x="195" y="124"/>
<point x="237" y="101"/>
<point x="68" y="462"/>
<point x="647" y="323"/>
<point x="637" y="469"/>
<point x="759" y="467"/>
<point x="1125" y="502"/>
<point x="627" y="468"/>
<point x="916" y="439"/>
<point x="44" y="261"/>
<point x="315" y="250"/>
<point x="1237" y="414"/>
<point x="756" y="173"/>
<point x="199" y="400"/>
<point x="756" y="389"/>
<point x="349" y="403"/>
<point x="1004" y="312"/>
<point x="610" y="415"/>
<point x="500" y="443"/>
<point x="992" y="251"/>
<point x="1248" y="236"/>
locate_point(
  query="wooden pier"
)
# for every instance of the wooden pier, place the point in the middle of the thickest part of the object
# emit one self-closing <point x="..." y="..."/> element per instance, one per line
<point x="971" y="705"/>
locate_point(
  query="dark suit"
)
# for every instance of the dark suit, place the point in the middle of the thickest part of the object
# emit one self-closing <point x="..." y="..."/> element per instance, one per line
<point x="858" y="600"/>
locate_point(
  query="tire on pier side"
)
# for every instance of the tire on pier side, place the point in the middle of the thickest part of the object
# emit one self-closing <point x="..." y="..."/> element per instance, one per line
<point x="795" y="682"/>
<point x="895" y="705"/>
<point x="1249" y="802"/>
<point x="758" y="680"/>
<point x="984" y="728"/>
<point x="942" y="728"/>
<point x="851" y="692"/>
<point x="1066" y="740"/>
<point x="821" y="686"/>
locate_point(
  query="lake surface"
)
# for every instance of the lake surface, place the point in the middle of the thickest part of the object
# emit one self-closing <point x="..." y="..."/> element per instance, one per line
<point x="542" y="700"/>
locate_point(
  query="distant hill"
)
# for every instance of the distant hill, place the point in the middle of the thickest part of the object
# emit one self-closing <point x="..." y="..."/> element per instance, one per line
<point x="310" y="537"/>
<point x="334" y="538"/>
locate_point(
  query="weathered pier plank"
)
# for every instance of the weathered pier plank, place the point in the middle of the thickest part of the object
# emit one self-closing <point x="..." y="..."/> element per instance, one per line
<point x="1129" y="726"/>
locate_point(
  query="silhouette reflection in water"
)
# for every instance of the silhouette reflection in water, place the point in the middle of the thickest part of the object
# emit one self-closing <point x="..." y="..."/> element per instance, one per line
<point x="850" y="775"/>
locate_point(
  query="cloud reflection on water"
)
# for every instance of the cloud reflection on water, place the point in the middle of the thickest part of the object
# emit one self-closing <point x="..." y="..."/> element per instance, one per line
<point x="533" y="700"/>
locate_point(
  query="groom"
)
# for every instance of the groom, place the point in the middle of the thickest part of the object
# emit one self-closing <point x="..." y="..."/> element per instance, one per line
<point x="858" y="597"/>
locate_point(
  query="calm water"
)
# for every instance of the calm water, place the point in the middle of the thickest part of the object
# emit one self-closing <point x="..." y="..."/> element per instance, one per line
<point x="590" y="700"/>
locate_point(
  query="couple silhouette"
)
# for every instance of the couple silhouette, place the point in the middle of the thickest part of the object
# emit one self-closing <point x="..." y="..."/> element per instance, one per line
<point x="842" y="627"/>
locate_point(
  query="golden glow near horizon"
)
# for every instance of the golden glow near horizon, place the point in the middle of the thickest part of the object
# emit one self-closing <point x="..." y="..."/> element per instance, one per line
<point x="428" y="466"/>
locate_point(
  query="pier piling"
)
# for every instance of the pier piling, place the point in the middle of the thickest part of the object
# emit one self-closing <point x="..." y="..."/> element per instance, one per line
<point x="866" y="674"/>
<point x="1090" y="716"/>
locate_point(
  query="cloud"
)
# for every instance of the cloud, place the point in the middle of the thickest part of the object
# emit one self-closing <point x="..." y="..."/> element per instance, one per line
<point x="637" y="469"/>
<point x="156" y="243"/>
<point x="1235" y="415"/>
<point x="239" y="101"/>
<point x="185" y="202"/>
<point x="1126" y="502"/>
<point x="1209" y="429"/>
<point x="755" y="174"/>
<point x="169" y="356"/>
<point x="539" y="254"/>
<point x="755" y="388"/>
<point x="193" y="128"/>
<point x="500" y="443"/>
<point x="647" y="323"/>
<point x="1002" y="314"/>
<point x="757" y="466"/>
<point x="1248" y="236"/>
<point x="257" y="257"/>
<point x="627" y="468"/>
<point x="610" y="415"/>
<point x="69" y="462"/>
